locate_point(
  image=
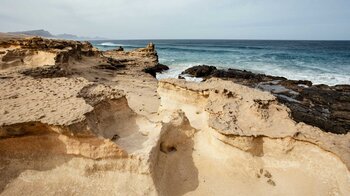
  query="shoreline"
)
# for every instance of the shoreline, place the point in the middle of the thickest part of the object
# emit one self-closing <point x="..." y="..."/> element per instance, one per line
<point x="99" y="122"/>
<point x="321" y="62"/>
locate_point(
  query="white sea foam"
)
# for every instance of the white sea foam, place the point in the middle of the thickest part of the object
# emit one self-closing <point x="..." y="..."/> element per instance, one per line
<point x="293" y="74"/>
<point x="175" y="71"/>
<point x="316" y="77"/>
<point x="110" y="44"/>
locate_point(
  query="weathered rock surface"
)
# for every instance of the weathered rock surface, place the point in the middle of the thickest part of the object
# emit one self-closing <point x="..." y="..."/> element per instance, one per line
<point x="99" y="125"/>
<point x="73" y="117"/>
<point x="326" y="107"/>
<point x="35" y="52"/>
<point x="253" y="121"/>
<point x="146" y="57"/>
<point x="46" y="72"/>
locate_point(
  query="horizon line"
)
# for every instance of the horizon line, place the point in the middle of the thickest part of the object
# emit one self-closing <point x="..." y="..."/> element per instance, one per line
<point x="217" y="39"/>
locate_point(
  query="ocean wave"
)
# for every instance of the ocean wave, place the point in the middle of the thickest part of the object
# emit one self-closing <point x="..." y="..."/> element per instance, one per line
<point x="109" y="44"/>
<point x="251" y="47"/>
<point x="166" y="60"/>
<point x="317" y="75"/>
<point x="199" y="50"/>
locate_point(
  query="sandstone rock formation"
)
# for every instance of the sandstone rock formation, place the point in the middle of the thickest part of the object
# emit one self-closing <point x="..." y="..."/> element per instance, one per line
<point x="230" y="119"/>
<point x="148" y="56"/>
<point x="94" y="123"/>
<point x="36" y="52"/>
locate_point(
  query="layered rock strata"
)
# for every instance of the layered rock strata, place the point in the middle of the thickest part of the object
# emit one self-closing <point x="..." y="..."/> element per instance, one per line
<point x="36" y="52"/>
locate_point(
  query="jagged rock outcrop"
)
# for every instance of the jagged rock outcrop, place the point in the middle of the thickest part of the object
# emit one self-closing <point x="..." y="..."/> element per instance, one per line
<point x="327" y="107"/>
<point x="37" y="51"/>
<point x="146" y="57"/>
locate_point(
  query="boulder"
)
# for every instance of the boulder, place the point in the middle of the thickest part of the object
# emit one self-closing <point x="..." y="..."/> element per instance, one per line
<point x="200" y="71"/>
<point x="156" y="69"/>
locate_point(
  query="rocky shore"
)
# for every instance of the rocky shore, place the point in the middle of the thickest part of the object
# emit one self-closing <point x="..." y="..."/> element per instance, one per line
<point x="78" y="121"/>
<point x="327" y="107"/>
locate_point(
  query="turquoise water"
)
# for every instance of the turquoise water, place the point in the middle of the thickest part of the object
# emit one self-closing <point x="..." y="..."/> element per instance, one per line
<point x="326" y="62"/>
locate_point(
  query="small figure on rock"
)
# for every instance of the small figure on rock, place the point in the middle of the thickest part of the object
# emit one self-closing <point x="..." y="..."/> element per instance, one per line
<point x="150" y="46"/>
<point x="119" y="49"/>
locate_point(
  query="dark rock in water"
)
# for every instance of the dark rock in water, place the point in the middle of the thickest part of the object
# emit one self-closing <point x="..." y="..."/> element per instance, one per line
<point x="181" y="77"/>
<point x="156" y="69"/>
<point x="241" y="76"/>
<point x="200" y="71"/>
<point x="245" y="77"/>
<point x="327" y="107"/>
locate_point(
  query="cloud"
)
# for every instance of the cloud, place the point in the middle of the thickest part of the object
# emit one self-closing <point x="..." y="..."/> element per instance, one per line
<point x="130" y="19"/>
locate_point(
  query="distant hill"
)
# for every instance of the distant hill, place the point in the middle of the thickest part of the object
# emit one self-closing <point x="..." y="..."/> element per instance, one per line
<point x="47" y="34"/>
<point x="67" y="36"/>
<point x="40" y="32"/>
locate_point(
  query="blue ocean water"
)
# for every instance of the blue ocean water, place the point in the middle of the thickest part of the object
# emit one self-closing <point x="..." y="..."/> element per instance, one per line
<point x="322" y="62"/>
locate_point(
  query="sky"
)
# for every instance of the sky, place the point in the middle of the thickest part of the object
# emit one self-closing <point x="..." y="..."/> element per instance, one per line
<point x="182" y="19"/>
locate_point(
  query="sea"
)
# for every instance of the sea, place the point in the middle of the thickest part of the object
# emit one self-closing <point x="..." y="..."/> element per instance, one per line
<point x="322" y="62"/>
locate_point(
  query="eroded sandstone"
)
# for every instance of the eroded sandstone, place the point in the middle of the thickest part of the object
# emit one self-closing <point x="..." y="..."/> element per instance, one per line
<point x="97" y="124"/>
